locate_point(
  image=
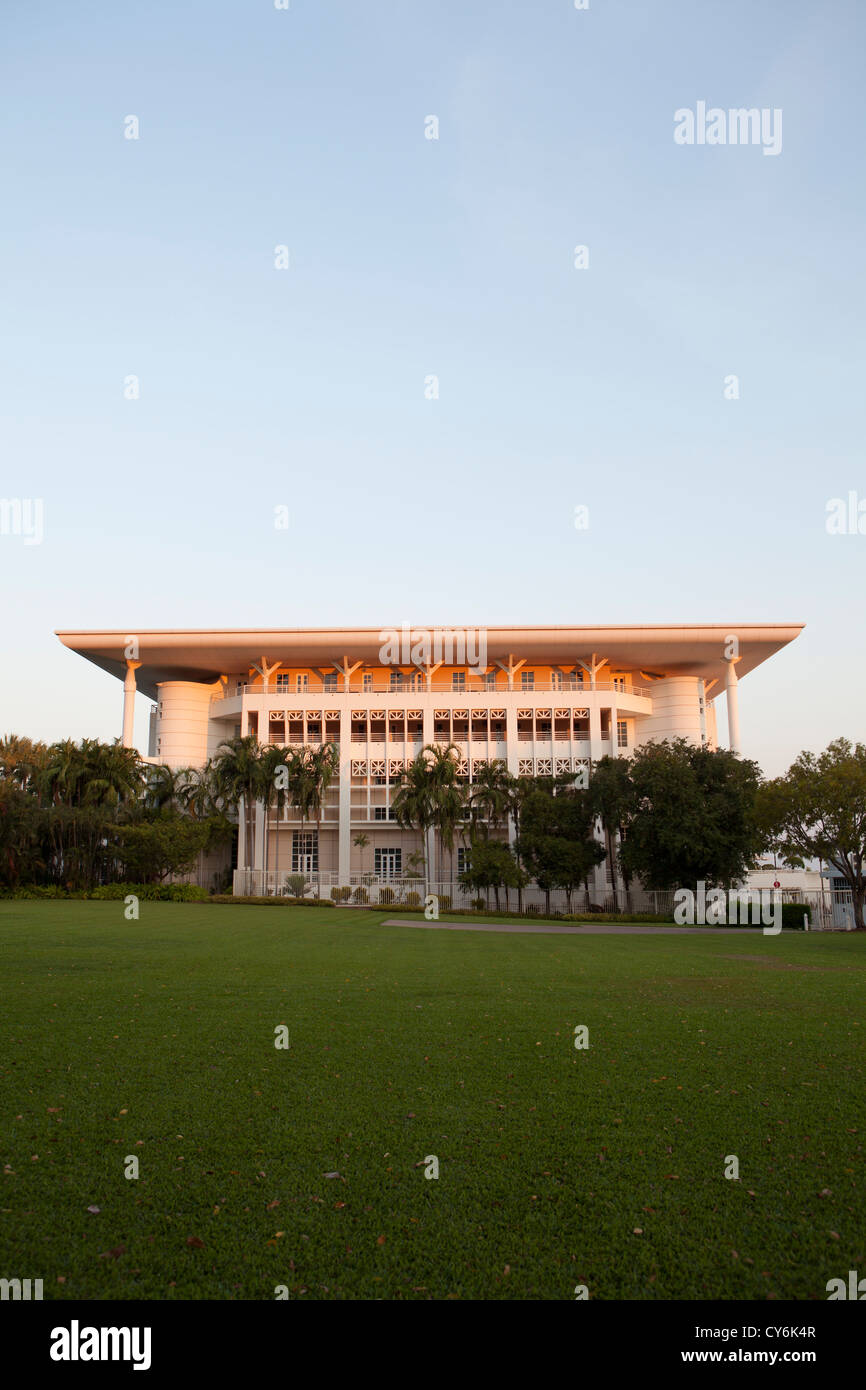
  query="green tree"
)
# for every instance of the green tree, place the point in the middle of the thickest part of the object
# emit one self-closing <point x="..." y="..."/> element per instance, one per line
<point x="557" y="845"/>
<point x="489" y="796"/>
<point x="238" y="778"/>
<point x="321" y="766"/>
<point x="818" y="811"/>
<point x="491" y="864"/>
<point x="612" y="798"/>
<point x="24" y="840"/>
<point x="418" y="801"/>
<point x="449" y="795"/>
<point x="168" y="843"/>
<point x="694" y="816"/>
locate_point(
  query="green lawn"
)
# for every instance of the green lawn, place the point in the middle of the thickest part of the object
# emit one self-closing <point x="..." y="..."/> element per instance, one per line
<point x="156" y="1038"/>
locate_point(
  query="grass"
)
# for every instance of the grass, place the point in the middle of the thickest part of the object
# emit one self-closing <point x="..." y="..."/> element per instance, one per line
<point x="558" y="1167"/>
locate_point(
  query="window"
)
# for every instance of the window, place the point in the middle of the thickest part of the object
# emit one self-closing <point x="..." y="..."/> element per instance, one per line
<point x="527" y="680"/>
<point x="490" y="678"/>
<point x="388" y="863"/>
<point x="368" y="680"/>
<point x="330" y="681"/>
<point x="462" y="859"/>
<point x="384" y="813"/>
<point x="622" y="733"/>
<point x="282" y="680"/>
<point x="556" y="680"/>
<point x="619" y="682"/>
<point x="396" y="680"/>
<point x="301" y="683"/>
<point x="458" y="680"/>
<point x="305" y="852"/>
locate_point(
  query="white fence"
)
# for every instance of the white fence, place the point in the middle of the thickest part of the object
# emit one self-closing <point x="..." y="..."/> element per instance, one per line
<point x="826" y="911"/>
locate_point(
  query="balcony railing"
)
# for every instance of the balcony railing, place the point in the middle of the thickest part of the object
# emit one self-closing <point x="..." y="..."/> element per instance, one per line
<point x="559" y="736"/>
<point x="315" y="689"/>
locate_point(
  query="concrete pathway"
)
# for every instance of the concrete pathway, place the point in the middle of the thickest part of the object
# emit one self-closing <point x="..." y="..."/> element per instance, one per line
<point x="589" y="929"/>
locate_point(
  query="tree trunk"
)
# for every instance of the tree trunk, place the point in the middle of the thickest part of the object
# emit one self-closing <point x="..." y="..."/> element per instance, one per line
<point x="612" y="862"/>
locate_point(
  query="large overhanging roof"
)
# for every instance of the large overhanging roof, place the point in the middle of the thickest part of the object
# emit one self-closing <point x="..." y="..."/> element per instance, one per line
<point x="207" y="654"/>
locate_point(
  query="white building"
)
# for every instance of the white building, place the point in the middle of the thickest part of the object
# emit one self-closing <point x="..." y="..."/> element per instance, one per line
<point x="542" y="699"/>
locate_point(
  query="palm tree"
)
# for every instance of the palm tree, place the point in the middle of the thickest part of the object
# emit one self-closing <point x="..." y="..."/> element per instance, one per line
<point x="197" y="795"/>
<point x="163" y="786"/>
<point x="413" y="804"/>
<point x="611" y="794"/>
<point x="520" y="790"/>
<point x="490" y="795"/>
<point x="449" y="796"/>
<point x="322" y="765"/>
<point x="237" y="769"/>
<point x="21" y="760"/>
<point x="275" y="790"/>
<point x="431" y="797"/>
<point x="361" y="841"/>
<point x="85" y="785"/>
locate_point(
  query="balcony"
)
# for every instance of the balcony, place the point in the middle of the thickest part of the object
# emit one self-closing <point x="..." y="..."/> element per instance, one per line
<point x="474" y="688"/>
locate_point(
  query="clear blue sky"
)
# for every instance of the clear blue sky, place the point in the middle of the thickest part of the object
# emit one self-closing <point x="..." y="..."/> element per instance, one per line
<point x="409" y="257"/>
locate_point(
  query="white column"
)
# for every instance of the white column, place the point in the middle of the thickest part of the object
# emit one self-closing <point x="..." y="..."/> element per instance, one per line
<point x="129" y="704"/>
<point x="733" y="708"/>
<point x="595" y="748"/>
<point x="344" y="831"/>
<point x="512" y="753"/>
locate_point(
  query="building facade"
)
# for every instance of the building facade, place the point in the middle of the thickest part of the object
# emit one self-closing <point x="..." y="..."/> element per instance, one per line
<point x="544" y="700"/>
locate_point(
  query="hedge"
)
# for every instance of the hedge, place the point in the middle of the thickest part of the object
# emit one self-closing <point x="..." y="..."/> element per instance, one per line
<point x="152" y="892"/>
<point x="793" y="914"/>
<point x="270" y="902"/>
<point x="145" y="892"/>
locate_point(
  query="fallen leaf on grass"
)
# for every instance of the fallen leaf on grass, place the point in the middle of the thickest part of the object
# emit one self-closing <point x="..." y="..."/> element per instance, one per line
<point x="194" y="1240"/>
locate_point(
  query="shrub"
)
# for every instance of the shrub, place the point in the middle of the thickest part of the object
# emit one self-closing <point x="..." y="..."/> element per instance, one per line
<point x="296" y="884"/>
<point x="35" y="890"/>
<point x="479" y="904"/>
<point x="111" y="892"/>
<point x="444" y="902"/>
<point x="413" y="899"/>
<point x="269" y="902"/>
<point x="386" y="896"/>
<point x="360" y="895"/>
<point x="152" y="892"/>
<point x="793" y="914"/>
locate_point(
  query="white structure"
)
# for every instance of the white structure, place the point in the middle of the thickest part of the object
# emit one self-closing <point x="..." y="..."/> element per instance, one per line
<point x="545" y="700"/>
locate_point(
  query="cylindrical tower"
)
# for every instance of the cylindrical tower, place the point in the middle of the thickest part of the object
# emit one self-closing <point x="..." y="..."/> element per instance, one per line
<point x="676" y="711"/>
<point x="183" y="709"/>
